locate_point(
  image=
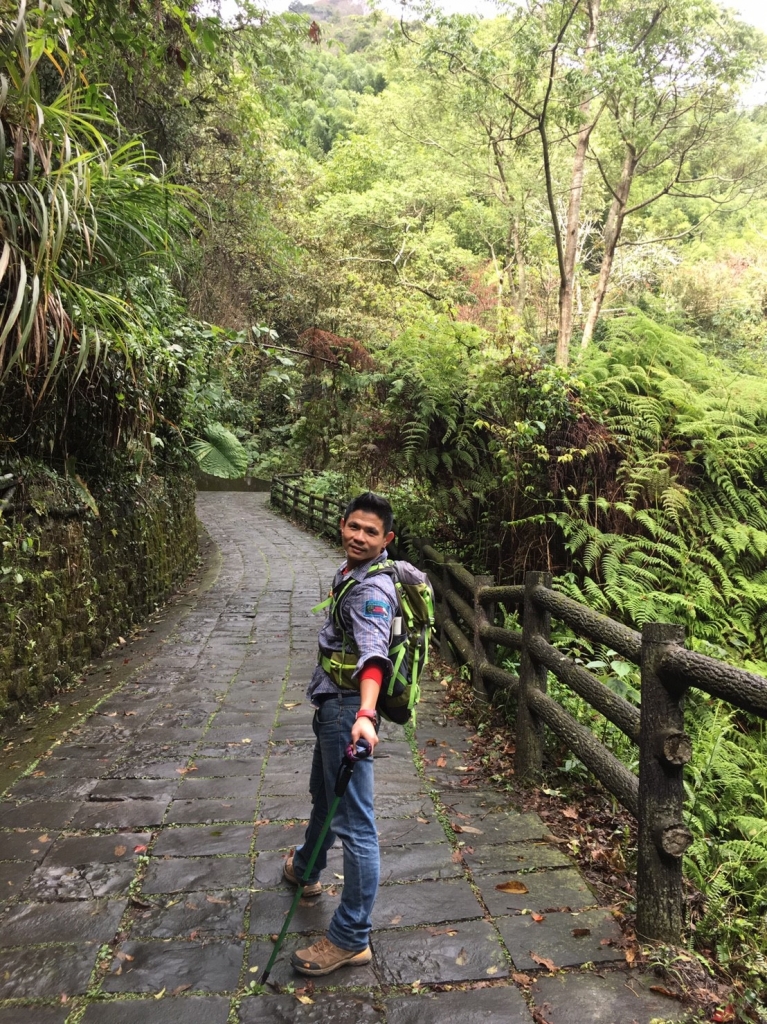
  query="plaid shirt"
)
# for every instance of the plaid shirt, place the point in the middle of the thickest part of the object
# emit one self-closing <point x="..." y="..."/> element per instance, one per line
<point x="367" y="612"/>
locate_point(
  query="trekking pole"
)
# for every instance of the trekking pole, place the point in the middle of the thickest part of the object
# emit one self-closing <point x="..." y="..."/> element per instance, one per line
<point x="353" y="753"/>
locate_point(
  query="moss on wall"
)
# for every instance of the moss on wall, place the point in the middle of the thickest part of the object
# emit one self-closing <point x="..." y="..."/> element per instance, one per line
<point x="72" y="581"/>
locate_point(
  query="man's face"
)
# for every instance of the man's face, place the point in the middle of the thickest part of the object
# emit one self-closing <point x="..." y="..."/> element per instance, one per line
<point x="363" y="537"/>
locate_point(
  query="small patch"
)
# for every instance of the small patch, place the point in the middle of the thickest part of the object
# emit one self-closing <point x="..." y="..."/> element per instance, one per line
<point x="377" y="610"/>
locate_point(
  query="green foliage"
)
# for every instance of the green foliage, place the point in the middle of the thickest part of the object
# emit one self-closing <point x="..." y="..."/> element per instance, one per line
<point x="220" y="453"/>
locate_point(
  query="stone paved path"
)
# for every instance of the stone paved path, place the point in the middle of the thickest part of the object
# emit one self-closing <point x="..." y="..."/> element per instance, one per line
<point x="141" y="857"/>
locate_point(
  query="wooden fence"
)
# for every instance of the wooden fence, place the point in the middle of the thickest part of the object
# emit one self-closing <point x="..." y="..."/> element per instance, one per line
<point x="467" y="608"/>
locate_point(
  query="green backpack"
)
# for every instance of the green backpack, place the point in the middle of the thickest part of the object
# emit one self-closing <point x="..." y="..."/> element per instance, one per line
<point x="408" y="646"/>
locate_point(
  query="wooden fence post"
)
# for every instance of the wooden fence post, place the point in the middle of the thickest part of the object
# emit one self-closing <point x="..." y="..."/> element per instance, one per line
<point x="483" y="650"/>
<point x="312" y="499"/>
<point x="446" y="615"/>
<point x="532" y="675"/>
<point x="294" y="511"/>
<point x="664" y="749"/>
<point x="326" y="527"/>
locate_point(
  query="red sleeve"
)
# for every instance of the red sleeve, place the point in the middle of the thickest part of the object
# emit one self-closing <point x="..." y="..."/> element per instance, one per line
<point x="372" y="671"/>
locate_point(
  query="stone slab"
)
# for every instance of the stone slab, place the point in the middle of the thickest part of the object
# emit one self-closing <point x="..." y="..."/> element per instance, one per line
<point x="86" y="882"/>
<point x="32" y="1015"/>
<point x="268" y="911"/>
<point x="203" y="841"/>
<point x="46" y="973"/>
<point x="32" y="845"/>
<point x="121" y="814"/>
<point x="46" y="815"/>
<point x="33" y="923"/>
<point x="178" y="1010"/>
<point x="556" y="938"/>
<point x="429" y="860"/>
<point x="285" y="808"/>
<point x="201" y="811"/>
<point x="118" y="848"/>
<point x="209" y="967"/>
<point x="546" y="891"/>
<point x="498" y="1005"/>
<point x="109" y="790"/>
<point x="191" y="874"/>
<point x="419" y="903"/>
<point x="327" y="1008"/>
<point x="65" y="789"/>
<point x="195" y="915"/>
<point x="220" y="767"/>
<point x="499" y="828"/>
<point x="467" y="951"/>
<point x="613" y="998"/>
<point x="193" y="788"/>
<point x="280" y="837"/>
<point x="13" y="875"/>
<point x="409" y="831"/>
<point x="514" y="857"/>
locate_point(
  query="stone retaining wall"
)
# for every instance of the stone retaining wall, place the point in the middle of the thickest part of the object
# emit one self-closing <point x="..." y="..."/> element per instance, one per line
<point x="71" y="582"/>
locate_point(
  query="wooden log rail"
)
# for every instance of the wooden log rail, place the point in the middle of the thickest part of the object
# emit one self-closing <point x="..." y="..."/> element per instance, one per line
<point x="468" y="606"/>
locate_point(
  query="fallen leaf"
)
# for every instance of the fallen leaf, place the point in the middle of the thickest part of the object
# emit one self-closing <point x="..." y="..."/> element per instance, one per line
<point x="129" y="714"/>
<point x="110" y="714"/>
<point x="213" y="899"/>
<point x="538" y="917"/>
<point x="579" y="932"/>
<point x="491" y="970"/>
<point x="518" y="887"/>
<point x="122" y="642"/>
<point x="462" y="957"/>
<point x="292" y="704"/>
<point x="456" y="857"/>
<point x="120" y="851"/>
<point x="569" y="812"/>
<point x="253" y="970"/>
<point x="463" y="768"/>
<point x="726" y="1013"/>
<point x="544" y="962"/>
<point x="423" y="821"/>
<point x="630" y="956"/>
<point x="139" y="849"/>
<point x="336" y="875"/>
<point x="179" y="989"/>
<point x="124" y="956"/>
<point x="396" y="920"/>
<point x="245" y="741"/>
<point x="522" y="979"/>
<point x="160" y="994"/>
<point x="442" y="931"/>
<point x="44" y="838"/>
<point x="672" y="995"/>
<point x="469" y="829"/>
<point x="441" y="761"/>
<point x="305" y="1000"/>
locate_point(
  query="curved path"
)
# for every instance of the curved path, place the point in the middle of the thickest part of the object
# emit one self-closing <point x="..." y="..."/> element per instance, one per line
<point x="142" y="853"/>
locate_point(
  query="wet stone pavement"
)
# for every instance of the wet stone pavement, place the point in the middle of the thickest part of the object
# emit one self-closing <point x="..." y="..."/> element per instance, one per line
<point x="141" y="856"/>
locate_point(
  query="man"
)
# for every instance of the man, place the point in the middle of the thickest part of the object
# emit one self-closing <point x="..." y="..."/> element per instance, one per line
<point x="342" y="715"/>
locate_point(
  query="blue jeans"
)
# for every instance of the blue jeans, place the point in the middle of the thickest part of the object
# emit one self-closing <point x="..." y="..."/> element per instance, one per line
<point x="354" y="823"/>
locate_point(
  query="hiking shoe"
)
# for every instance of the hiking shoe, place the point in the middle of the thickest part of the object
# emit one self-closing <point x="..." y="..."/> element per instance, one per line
<point x="324" y="957"/>
<point x="289" y="874"/>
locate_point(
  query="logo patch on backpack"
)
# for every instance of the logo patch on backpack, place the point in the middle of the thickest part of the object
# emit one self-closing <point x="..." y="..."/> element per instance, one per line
<point x="377" y="610"/>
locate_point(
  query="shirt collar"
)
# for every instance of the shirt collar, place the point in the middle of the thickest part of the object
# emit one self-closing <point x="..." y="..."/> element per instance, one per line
<point x="361" y="571"/>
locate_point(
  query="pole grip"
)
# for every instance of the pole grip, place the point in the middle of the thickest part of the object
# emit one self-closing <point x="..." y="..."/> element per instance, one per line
<point x="354" y="753"/>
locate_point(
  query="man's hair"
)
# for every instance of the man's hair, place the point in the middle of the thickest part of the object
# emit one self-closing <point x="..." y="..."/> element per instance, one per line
<point x="370" y="502"/>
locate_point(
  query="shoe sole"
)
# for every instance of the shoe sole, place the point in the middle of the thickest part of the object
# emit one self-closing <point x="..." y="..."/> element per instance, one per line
<point x="358" y="960"/>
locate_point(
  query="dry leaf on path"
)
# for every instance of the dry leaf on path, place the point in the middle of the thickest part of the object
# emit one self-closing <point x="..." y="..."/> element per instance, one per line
<point x="492" y="970"/>
<point x="522" y="979"/>
<point x="462" y="958"/>
<point x="396" y="920"/>
<point x="423" y="821"/>
<point x="518" y="887"/>
<point x="538" y="918"/>
<point x="120" y="851"/>
<point x="441" y="761"/>
<point x="304" y="999"/>
<point x="213" y="899"/>
<point x="570" y="812"/>
<point x="544" y="961"/>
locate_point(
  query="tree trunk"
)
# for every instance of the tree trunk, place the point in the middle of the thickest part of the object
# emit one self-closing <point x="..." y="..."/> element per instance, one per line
<point x="566" y="284"/>
<point x="612" y="233"/>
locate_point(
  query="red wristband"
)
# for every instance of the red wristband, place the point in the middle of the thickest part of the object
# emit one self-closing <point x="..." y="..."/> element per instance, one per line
<point x="367" y="713"/>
